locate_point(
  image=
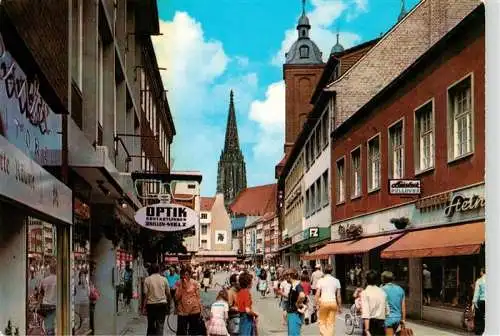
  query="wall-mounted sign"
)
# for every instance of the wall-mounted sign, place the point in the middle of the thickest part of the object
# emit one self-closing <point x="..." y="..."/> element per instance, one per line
<point x="404" y="187"/>
<point x="166" y="217"/>
<point x="220" y="237"/>
<point x="433" y="201"/>
<point x="24" y="181"/>
<point x="460" y="203"/>
<point x="313" y="232"/>
<point x="26" y="120"/>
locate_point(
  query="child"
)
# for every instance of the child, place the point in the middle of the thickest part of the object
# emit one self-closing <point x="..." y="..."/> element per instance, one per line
<point x="219" y="315"/>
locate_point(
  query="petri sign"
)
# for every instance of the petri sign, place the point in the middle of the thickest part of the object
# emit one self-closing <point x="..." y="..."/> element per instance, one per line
<point x="166" y="217"/>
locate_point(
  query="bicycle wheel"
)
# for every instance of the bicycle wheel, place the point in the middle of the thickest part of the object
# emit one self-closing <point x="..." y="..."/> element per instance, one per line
<point x="349" y="324"/>
<point x="172" y="323"/>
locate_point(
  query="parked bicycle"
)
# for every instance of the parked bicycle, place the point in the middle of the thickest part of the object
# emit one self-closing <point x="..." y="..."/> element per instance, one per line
<point x="353" y="320"/>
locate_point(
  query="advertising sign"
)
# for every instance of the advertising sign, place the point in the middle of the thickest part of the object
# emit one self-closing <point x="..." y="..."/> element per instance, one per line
<point x="166" y="217"/>
<point x="26" y="120"/>
<point x="404" y="187"/>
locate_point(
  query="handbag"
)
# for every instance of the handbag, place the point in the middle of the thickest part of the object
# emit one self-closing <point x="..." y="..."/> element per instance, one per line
<point x="406" y="331"/>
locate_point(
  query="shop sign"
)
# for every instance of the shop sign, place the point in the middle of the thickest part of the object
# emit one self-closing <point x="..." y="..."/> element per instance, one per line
<point x="166" y="217"/>
<point x="313" y="232"/>
<point x="24" y="181"/>
<point x="460" y="203"/>
<point x="26" y="120"/>
<point x="404" y="187"/>
<point x="433" y="201"/>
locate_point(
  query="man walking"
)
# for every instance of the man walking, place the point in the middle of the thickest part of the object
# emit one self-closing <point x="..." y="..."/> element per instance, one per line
<point x="157" y="295"/>
<point x="316" y="275"/>
<point x="328" y="301"/>
<point x="396" y="302"/>
<point x="373" y="306"/>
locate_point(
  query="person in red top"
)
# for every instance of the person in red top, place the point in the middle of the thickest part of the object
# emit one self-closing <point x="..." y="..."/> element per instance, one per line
<point x="244" y="304"/>
<point x="306" y="284"/>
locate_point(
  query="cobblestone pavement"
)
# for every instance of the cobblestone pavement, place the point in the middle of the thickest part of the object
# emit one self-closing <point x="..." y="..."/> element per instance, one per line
<point x="270" y="318"/>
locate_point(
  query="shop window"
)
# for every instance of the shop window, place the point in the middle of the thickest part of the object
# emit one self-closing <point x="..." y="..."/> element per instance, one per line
<point x="42" y="279"/>
<point x="356" y="172"/>
<point x="460" y="116"/>
<point x="340" y="182"/>
<point x="374" y="163"/>
<point x="424" y="137"/>
<point x="449" y="282"/>
<point x="396" y="151"/>
<point x="399" y="268"/>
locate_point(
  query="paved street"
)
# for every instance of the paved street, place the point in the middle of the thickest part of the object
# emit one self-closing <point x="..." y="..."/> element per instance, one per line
<point x="270" y="320"/>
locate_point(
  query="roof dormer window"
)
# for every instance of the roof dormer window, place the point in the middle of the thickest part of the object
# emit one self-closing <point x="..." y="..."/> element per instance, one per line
<point x="304" y="51"/>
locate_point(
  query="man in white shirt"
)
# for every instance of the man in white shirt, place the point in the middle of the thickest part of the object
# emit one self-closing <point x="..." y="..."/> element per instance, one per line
<point x="373" y="306"/>
<point x="328" y="301"/>
<point x="157" y="295"/>
<point x="315" y="276"/>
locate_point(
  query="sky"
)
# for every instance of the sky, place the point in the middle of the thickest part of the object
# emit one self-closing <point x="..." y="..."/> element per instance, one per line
<point x="209" y="47"/>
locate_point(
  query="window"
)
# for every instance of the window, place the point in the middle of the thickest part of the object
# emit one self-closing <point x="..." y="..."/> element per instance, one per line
<point x="318" y="194"/>
<point x="304" y="51"/>
<point x="204" y="229"/>
<point x="204" y="216"/>
<point x="143" y="161"/>
<point x="374" y="163"/>
<point x="396" y="151"/>
<point x="356" y="172"/>
<point x="324" y="190"/>
<point x="203" y="244"/>
<point x="308" y="202"/>
<point x="313" y="147"/>
<point x="324" y="125"/>
<point x="77" y="24"/>
<point x="340" y="181"/>
<point x="424" y="137"/>
<point x="307" y="155"/>
<point x="318" y="141"/>
<point x="460" y="119"/>
<point x="313" y="199"/>
<point x="100" y="81"/>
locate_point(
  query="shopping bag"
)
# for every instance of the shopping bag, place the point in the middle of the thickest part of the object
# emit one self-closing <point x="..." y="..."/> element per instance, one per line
<point x="406" y="331"/>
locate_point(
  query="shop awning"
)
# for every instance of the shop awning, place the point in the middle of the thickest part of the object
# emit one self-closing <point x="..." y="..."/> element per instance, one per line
<point x="326" y="251"/>
<point x="172" y="259"/>
<point x="351" y="247"/>
<point x="465" y="239"/>
<point x="216" y="259"/>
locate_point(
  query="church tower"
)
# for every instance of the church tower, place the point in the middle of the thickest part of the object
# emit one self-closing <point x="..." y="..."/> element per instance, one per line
<point x="302" y="70"/>
<point x="231" y="175"/>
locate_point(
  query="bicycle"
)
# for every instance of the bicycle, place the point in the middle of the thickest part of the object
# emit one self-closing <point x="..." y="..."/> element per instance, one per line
<point x="36" y="323"/>
<point x="353" y="320"/>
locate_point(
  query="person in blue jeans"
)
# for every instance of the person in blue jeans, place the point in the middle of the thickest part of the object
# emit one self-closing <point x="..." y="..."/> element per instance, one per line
<point x="396" y="302"/>
<point x="296" y="298"/>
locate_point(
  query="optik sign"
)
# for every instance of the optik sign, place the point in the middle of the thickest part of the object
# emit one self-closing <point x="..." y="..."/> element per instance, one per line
<point x="166" y="217"/>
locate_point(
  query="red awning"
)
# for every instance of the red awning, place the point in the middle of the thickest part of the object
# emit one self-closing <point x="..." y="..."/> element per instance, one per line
<point x="465" y="239"/>
<point x="351" y="247"/>
<point x="215" y="259"/>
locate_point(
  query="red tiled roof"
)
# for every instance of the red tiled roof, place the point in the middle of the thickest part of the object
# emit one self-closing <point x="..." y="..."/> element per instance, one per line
<point x="255" y="201"/>
<point x="206" y="203"/>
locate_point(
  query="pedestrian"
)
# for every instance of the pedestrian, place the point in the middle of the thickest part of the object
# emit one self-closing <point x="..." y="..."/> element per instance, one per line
<point x="172" y="279"/>
<point x="296" y="301"/>
<point x="284" y="291"/>
<point x="427" y="284"/>
<point x="373" y="306"/>
<point x="306" y="285"/>
<point x="234" y="315"/>
<point x="396" y="302"/>
<point x="157" y="295"/>
<point x="187" y="296"/>
<point x="219" y="315"/>
<point x="206" y="278"/>
<point x="82" y="299"/>
<point x="244" y="303"/>
<point x="479" y="303"/>
<point x="315" y="276"/>
<point x="127" y="286"/>
<point x="48" y="293"/>
<point x="328" y="301"/>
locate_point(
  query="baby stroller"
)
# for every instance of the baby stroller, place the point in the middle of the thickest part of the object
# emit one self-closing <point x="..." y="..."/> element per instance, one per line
<point x="353" y="320"/>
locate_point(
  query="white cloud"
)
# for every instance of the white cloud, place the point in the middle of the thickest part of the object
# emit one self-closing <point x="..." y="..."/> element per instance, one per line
<point x="323" y="31"/>
<point x="242" y="61"/>
<point x="270" y="116"/>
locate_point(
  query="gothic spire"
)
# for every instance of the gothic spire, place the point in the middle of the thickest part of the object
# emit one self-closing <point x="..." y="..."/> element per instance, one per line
<point x="403" y="12"/>
<point x="231" y="141"/>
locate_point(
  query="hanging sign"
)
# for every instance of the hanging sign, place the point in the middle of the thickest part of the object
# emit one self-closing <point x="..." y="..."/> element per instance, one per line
<point x="166" y="217"/>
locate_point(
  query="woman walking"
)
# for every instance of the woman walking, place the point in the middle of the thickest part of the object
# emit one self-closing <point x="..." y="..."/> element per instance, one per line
<point x="187" y="297"/>
<point x="234" y="315"/>
<point x="244" y="304"/>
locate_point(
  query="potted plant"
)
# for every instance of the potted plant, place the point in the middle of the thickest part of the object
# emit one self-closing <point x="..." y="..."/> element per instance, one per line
<point x="400" y="223"/>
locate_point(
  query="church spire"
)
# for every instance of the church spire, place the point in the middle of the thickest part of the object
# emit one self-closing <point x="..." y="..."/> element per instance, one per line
<point x="231" y="141"/>
<point x="403" y="12"/>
